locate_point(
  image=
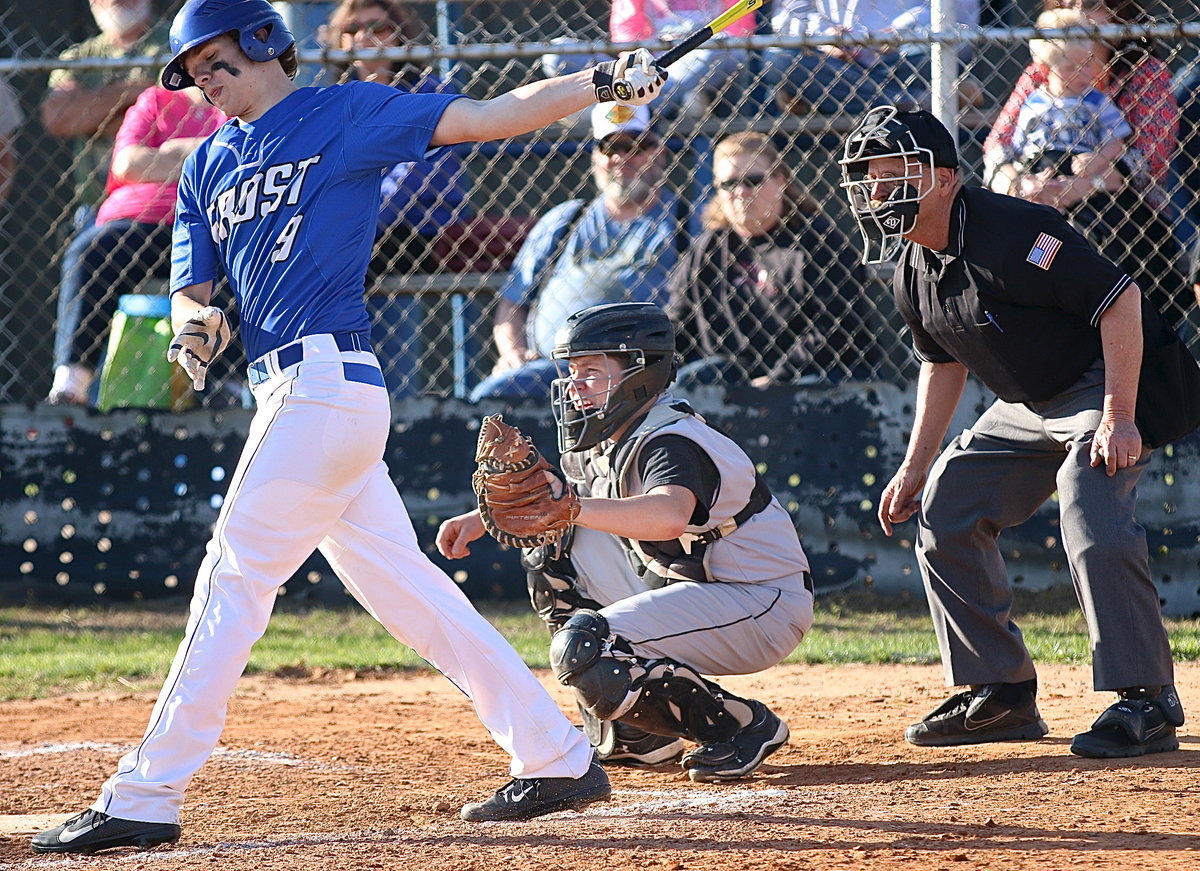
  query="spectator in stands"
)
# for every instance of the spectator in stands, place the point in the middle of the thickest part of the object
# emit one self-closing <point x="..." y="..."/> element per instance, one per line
<point x="10" y="119"/>
<point x="131" y="237"/>
<point x="833" y="79"/>
<point x="86" y="106"/>
<point x="425" y="220"/>
<point x="770" y="292"/>
<point x="1138" y="82"/>
<point x="1186" y="195"/>
<point x="1066" y="127"/>
<point x="695" y="80"/>
<point x="620" y="246"/>
<point x="1125" y="212"/>
<point x="419" y="199"/>
<point x="1194" y="272"/>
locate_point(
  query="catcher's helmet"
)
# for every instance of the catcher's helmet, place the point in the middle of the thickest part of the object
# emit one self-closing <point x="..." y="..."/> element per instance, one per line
<point x="639" y="330"/>
<point x="912" y="135"/>
<point x="201" y="20"/>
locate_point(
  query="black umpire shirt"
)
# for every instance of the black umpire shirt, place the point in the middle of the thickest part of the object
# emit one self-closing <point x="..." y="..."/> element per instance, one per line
<point x="1016" y="296"/>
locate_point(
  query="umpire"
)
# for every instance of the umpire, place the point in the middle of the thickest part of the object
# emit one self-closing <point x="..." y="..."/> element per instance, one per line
<point x="1089" y="380"/>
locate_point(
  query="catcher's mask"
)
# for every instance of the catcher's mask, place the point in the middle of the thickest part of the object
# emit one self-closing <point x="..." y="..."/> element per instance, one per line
<point x="921" y="142"/>
<point x="638" y="331"/>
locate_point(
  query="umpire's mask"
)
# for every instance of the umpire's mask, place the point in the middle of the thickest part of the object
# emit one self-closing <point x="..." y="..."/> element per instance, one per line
<point x="919" y="140"/>
<point x="639" y="332"/>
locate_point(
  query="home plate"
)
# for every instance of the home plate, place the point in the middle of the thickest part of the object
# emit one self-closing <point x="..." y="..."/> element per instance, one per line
<point x="30" y="824"/>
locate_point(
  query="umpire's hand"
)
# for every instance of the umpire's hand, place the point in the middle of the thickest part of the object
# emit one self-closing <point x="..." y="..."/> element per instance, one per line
<point x="901" y="497"/>
<point x="1117" y="444"/>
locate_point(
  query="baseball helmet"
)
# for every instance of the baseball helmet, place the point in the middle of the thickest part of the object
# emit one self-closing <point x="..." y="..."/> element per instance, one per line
<point x="910" y="134"/>
<point x="201" y="20"/>
<point x="640" y="331"/>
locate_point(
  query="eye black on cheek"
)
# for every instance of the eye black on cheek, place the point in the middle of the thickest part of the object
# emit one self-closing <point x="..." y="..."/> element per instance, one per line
<point x="228" y="67"/>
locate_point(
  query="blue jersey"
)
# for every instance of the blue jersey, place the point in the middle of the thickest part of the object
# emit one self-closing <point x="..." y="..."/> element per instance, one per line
<point x="286" y="206"/>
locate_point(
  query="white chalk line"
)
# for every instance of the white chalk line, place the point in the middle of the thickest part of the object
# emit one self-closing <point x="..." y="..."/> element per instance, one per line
<point x="644" y="802"/>
<point x="266" y="757"/>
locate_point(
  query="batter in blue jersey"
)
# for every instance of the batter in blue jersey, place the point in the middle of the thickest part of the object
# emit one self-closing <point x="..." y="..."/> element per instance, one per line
<point x="287" y="205"/>
<point x="283" y="199"/>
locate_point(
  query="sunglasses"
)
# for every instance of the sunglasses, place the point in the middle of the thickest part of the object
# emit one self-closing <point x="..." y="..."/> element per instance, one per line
<point x="372" y="28"/>
<point x="752" y="180"/>
<point x="614" y="145"/>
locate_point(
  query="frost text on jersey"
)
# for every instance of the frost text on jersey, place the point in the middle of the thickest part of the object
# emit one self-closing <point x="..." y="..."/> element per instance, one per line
<point x="258" y="196"/>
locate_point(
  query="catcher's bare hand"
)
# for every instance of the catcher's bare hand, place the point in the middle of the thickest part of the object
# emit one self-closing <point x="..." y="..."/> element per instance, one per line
<point x="456" y="534"/>
<point x="631" y="79"/>
<point x="523" y="501"/>
<point x="198" y="342"/>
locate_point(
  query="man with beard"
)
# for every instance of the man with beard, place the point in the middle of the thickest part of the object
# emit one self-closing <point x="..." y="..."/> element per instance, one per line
<point x="620" y="247"/>
<point x="86" y="106"/>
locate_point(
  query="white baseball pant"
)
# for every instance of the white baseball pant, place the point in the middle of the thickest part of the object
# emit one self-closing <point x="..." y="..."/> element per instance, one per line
<point x="312" y="476"/>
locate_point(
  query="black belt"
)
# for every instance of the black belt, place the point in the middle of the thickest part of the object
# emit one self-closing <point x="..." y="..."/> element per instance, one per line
<point x="290" y="355"/>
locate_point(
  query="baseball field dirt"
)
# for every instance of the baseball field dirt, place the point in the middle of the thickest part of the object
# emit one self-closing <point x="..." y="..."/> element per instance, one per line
<point x="341" y="771"/>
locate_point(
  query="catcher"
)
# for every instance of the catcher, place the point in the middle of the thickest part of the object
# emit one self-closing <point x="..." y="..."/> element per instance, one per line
<point x="663" y="558"/>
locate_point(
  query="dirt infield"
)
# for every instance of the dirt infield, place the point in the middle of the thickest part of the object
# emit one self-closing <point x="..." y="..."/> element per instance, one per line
<point x="335" y="772"/>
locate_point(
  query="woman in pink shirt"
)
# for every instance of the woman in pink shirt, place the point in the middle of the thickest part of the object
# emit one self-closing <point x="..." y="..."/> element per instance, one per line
<point x="693" y="82"/>
<point x="132" y="234"/>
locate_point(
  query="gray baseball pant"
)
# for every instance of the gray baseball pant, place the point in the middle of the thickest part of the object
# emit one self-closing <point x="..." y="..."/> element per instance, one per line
<point x="994" y="476"/>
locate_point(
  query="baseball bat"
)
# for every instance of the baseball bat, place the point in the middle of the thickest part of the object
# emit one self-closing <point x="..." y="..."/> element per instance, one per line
<point x="695" y="39"/>
<point x="704" y="34"/>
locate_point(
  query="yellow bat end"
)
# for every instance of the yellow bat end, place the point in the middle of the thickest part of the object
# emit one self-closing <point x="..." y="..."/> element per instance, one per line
<point x="733" y="13"/>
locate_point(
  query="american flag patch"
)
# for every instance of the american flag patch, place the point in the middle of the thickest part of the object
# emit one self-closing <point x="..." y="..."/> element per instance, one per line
<point x="1043" y="250"/>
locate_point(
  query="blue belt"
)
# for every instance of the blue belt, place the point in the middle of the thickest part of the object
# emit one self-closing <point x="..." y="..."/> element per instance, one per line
<point x="290" y="355"/>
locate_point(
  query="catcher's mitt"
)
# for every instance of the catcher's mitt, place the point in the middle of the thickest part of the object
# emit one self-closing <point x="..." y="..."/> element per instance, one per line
<point x="520" y="505"/>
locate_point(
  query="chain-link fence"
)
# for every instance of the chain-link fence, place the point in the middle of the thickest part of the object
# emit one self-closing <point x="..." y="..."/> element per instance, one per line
<point x="760" y="274"/>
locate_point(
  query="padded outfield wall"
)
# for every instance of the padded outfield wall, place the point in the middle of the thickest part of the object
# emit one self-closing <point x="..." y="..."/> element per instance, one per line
<point x="119" y="506"/>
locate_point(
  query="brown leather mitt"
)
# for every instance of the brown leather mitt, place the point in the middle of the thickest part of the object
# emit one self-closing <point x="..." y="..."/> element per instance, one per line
<point x="523" y="500"/>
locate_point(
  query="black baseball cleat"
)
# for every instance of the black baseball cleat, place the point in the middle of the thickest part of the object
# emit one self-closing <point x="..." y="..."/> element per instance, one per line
<point x="624" y="744"/>
<point x="1142" y="722"/>
<point x="992" y="712"/>
<point x="741" y="754"/>
<point x="524" y="799"/>
<point x="92" y="830"/>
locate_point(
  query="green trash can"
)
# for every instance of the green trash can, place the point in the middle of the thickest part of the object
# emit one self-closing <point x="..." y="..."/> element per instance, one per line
<point x="136" y="373"/>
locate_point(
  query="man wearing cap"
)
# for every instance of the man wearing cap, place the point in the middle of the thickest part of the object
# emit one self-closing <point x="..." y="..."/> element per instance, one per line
<point x="619" y="247"/>
<point x="85" y="106"/>
<point x="1008" y="291"/>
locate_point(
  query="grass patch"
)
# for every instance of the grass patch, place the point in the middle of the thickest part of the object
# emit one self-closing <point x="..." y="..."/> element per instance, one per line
<point x="47" y="651"/>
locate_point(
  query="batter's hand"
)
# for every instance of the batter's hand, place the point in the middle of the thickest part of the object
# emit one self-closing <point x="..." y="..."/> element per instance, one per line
<point x="456" y="534"/>
<point x="901" y="498"/>
<point x="632" y="79"/>
<point x="1116" y="444"/>
<point x="199" y="341"/>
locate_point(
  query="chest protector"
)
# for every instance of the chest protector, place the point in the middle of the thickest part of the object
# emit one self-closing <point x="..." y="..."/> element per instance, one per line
<point x="741" y="494"/>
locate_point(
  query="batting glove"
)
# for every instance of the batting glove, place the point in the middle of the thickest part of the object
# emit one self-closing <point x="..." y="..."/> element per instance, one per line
<point x="632" y="79"/>
<point x="200" y="341"/>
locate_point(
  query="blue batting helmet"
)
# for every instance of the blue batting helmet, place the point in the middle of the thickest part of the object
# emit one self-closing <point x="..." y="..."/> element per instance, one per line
<point x="201" y="20"/>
